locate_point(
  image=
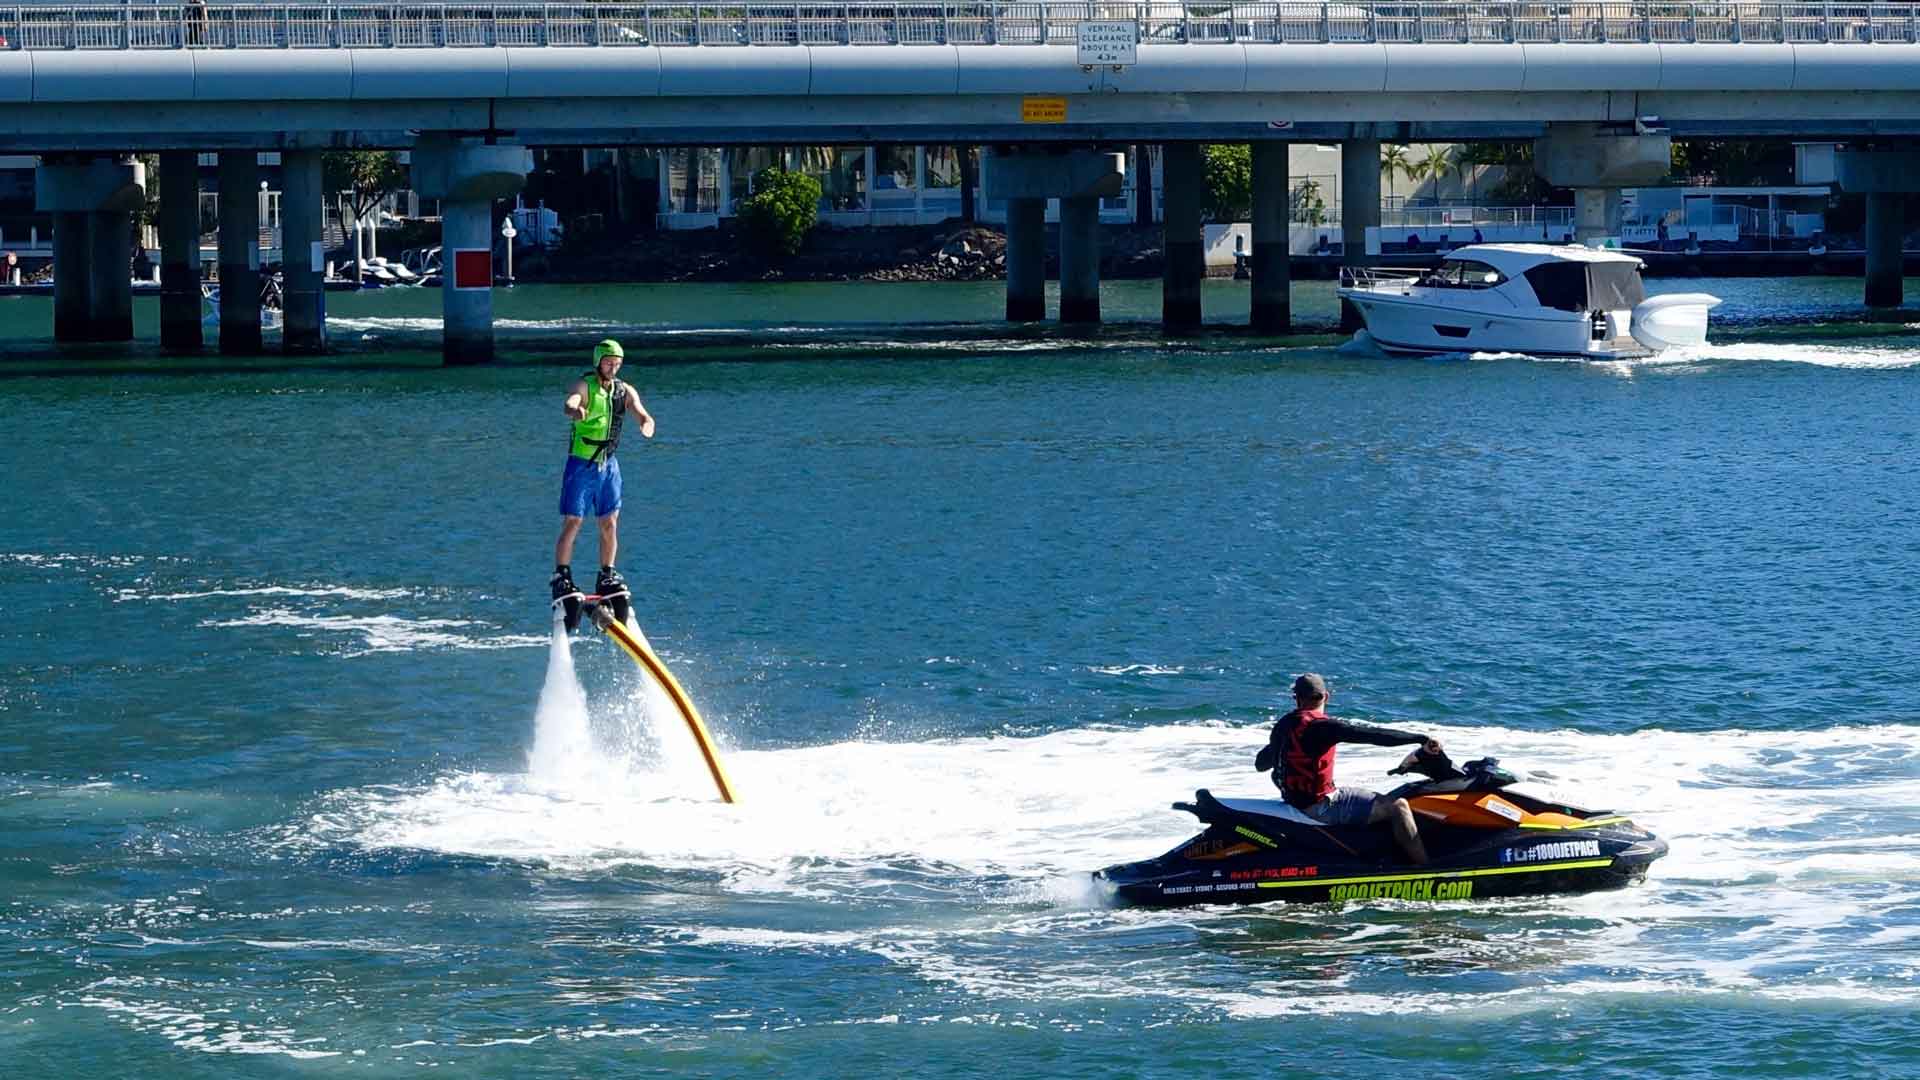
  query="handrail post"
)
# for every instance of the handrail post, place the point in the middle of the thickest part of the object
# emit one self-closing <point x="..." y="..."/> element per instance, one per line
<point x="1826" y="22"/>
<point x="1326" y="26"/>
<point x="846" y="23"/>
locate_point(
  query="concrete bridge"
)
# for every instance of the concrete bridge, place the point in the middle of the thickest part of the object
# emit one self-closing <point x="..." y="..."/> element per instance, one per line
<point x="1603" y="87"/>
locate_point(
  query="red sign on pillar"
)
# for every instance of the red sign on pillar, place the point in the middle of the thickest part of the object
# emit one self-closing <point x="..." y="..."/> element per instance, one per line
<point x="473" y="268"/>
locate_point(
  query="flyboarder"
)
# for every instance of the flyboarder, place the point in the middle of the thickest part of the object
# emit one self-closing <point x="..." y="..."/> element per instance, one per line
<point x="597" y="403"/>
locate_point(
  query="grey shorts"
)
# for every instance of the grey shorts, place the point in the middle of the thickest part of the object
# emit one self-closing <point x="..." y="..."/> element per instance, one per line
<point x="1345" y="806"/>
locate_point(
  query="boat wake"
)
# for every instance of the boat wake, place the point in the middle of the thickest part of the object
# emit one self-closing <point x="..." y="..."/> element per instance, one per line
<point x="613" y="783"/>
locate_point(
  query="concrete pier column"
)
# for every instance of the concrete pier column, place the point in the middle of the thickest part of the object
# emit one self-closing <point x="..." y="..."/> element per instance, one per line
<point x="180" y="250"/>
<point x="467" y="175"/>
<point x="1597" y="162"/>
<point x="466" y="233"/>
<point x="110" y="275"/>
<point x="1026" y="260"/>
<point x="72" y="280"/>
<point x="1359" y="210"/>
<point x="303" y="263"/>
<point x="1026" y="177"/>
<point x="1886" y="233"/>
<point x="239" y="252"/>
<point x="1885" y="176"/>
<point x="1080" y="260"/>
<point x="1596" y="213"/>
<point x="1272" y="261"/>
<point x="1180" y="182"/>
<point x="91" y="199"/>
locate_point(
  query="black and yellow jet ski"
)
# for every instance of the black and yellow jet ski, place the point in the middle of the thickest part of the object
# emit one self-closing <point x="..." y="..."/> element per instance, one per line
<point x="1482" y="839"/>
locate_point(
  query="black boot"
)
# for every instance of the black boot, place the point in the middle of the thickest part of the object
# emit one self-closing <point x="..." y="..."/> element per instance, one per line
<point x="566" y="595"/>
<point x="612" y="589"/>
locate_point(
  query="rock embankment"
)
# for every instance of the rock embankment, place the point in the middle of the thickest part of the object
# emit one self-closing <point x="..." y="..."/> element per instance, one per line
<point x="949" y="252"/>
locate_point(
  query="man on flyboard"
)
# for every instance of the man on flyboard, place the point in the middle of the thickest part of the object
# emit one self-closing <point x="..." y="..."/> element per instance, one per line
<point x="597" y="403"/>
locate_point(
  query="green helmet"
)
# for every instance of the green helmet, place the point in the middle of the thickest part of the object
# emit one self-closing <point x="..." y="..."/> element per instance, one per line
<point x="607" y="348"/>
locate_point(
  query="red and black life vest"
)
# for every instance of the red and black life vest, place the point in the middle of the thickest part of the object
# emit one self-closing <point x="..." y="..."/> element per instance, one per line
<point x="1305" y="778"/>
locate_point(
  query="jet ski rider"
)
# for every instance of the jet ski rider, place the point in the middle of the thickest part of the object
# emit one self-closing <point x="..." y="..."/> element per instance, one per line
<point x="1300" y="754"/>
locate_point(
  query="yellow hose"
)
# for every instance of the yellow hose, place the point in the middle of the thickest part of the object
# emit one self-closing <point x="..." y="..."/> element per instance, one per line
<point x="643" y="656"/>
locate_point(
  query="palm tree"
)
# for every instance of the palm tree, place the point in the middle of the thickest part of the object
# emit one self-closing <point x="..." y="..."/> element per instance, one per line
<point x="1437" y="165"/>
<point x="1393" y="159"/>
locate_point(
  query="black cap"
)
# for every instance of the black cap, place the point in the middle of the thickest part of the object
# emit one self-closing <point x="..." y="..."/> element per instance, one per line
<point x="1310" y="686"/>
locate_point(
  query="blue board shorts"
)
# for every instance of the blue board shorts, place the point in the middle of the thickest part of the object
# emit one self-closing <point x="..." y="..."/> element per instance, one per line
<point x="1344" y="806"/>
<point x="590" y="489"/>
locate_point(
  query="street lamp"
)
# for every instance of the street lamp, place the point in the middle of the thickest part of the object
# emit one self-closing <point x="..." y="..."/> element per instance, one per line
<point x="509" y="232"/>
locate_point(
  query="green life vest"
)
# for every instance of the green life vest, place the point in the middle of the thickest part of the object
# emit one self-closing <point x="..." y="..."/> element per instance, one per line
<point x="596" y="436"/>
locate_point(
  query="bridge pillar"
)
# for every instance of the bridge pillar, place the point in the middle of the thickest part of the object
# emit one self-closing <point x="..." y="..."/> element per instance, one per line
<point x="1026" y="260"/>
<point x="302" y="258"/>
<point x="466" y="175"/>
<point x="91" y="202"/>
<point x="1885" y="177"/>
<point x="1186" y="266"/>
<point x="239" y="251"/>
<point x="1886" y="233"/>
<point x="1359" y="211"/>
<point x="72" y="277"/>
<point x="1080" y="260"/>
<point x="180" y="250"/>
<point x="1026" y="178"/>
<point x="1597" y="162"/>
<point x="1596" y="213"/>
<point x="110" y="275"/>
<point x="1272" y="266"/>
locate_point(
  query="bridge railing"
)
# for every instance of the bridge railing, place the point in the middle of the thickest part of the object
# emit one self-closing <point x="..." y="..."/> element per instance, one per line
<point x="1014" y="22"/>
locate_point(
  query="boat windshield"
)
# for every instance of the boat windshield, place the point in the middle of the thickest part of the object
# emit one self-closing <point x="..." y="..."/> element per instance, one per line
<point x="1583" y="286"/>
<point x="1463" y="274"/>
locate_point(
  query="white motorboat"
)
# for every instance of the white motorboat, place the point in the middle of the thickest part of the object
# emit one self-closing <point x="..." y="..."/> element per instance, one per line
<point x="210" y="309"/>
<point x="1539" y="299"/>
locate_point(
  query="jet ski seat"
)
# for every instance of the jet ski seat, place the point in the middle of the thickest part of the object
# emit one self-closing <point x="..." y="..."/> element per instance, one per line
<point x="1211" y="810"/>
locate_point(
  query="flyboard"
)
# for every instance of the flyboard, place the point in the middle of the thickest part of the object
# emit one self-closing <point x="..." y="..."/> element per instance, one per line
<point x="612" y="613"/>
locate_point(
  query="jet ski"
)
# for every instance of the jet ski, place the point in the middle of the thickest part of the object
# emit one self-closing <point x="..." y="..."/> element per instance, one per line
<point x="1482" y="838"/>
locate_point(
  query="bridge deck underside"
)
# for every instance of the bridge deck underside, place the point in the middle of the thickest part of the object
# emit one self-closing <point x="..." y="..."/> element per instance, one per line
<point x="981" y="119"/>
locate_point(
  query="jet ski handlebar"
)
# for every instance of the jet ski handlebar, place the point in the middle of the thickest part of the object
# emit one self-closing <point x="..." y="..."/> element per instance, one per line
<point x="1432" y="764"/>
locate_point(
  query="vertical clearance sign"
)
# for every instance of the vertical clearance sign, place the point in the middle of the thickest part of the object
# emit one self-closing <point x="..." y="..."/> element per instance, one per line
<point x="1107" y="43"/>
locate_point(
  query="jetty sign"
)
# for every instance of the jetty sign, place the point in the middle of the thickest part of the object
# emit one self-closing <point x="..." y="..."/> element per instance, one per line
<point x="1109" y="42"/>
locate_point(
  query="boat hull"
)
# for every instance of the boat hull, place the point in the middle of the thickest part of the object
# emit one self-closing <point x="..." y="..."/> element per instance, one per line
<point x="1507" y="863"/>
<point x="1413" y="326"/>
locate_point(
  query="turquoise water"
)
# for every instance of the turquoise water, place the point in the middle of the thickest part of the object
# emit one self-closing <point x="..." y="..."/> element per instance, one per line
<point x="292" y="781"/>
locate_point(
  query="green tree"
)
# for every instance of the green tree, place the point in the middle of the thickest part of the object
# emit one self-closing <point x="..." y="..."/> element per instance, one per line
<point x="1436" y="165"/>
<point x="781" y="211"/>
<point x="366" y="177"/>
<point x="1733" y="162"/>
<point x="1227" y="171"/>
<point x="1519" y="184"/>
<point x="1307" y="203"/>
<point x="1393" y="160"/>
